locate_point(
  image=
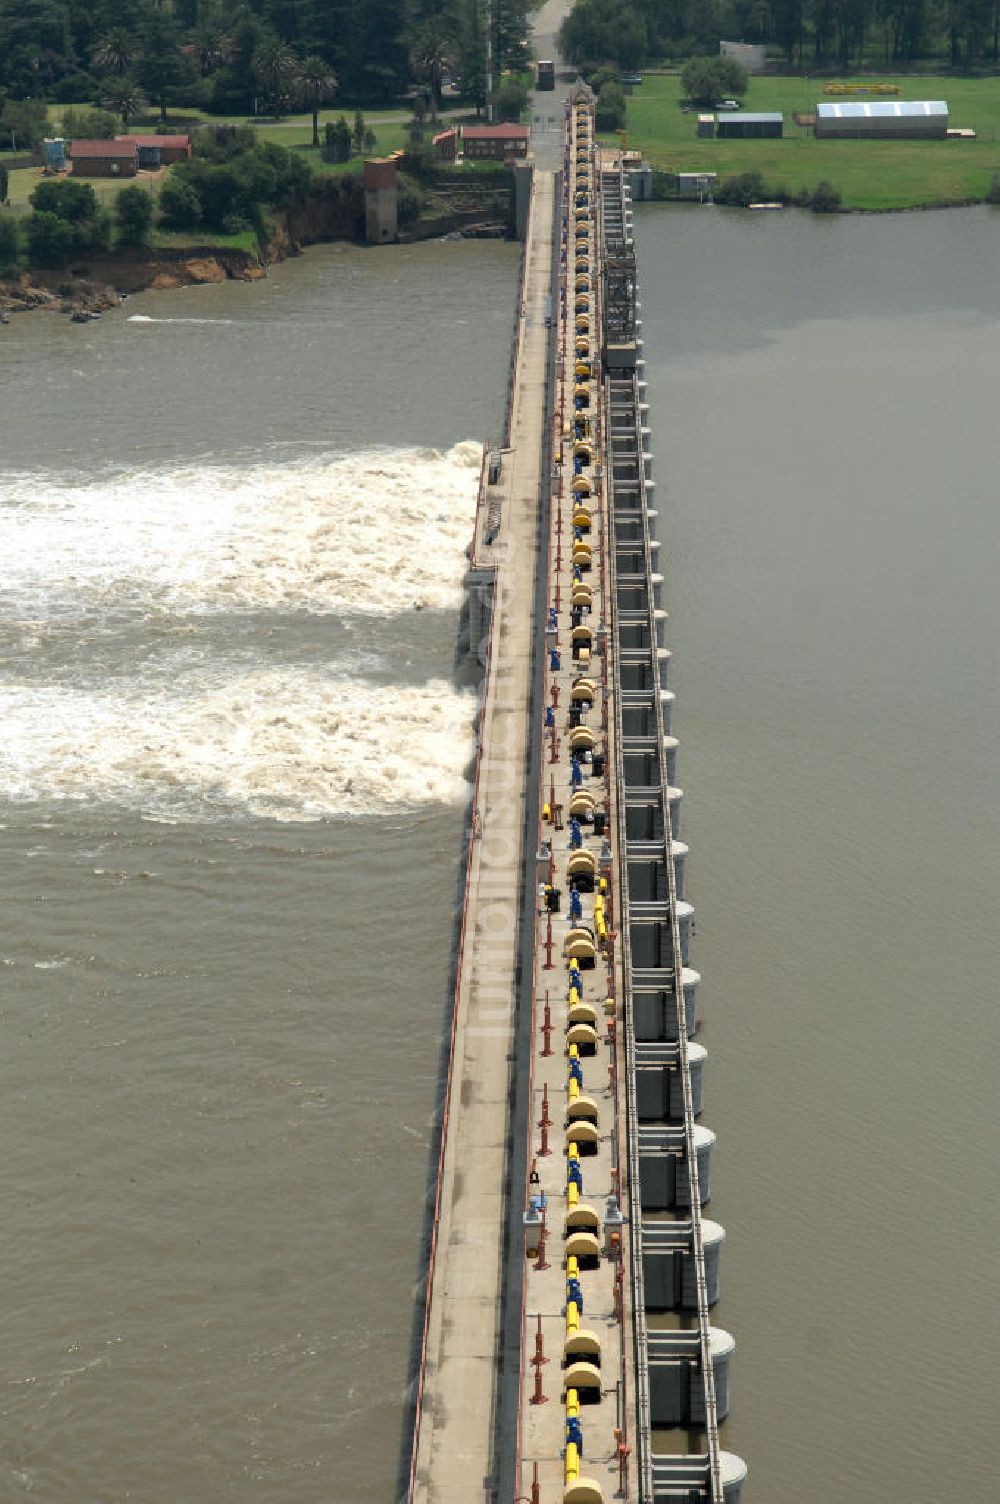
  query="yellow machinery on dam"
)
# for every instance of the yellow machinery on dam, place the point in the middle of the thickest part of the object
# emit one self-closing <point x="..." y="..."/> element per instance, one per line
<point x="572" y="1270"/>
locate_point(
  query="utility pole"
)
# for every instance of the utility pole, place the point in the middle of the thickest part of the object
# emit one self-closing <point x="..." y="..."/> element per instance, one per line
<point x="489" y="62"/>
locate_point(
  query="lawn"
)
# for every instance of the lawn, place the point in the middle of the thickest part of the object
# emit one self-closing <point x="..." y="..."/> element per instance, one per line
<point x="869" y="174"/>
<point x="290" y="129"/>
<point x="24" y="180"/>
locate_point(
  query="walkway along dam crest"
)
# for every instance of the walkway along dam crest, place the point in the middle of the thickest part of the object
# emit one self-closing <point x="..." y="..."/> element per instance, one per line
<point x="568" y="1352"/>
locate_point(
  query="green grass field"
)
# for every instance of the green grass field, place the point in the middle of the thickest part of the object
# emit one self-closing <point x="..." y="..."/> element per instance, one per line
<point x="24" y="180"/>
<point x="869" y="174"/>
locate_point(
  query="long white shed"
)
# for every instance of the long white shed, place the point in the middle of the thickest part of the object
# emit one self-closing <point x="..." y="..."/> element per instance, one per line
<point x="882" y="118"/>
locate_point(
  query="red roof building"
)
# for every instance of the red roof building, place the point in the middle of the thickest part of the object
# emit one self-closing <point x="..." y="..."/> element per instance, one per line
<point x="171" y="148"/>
<point x="445" y="143"/>
<point x="104" y="159"/>
<point x="495" y="142"/>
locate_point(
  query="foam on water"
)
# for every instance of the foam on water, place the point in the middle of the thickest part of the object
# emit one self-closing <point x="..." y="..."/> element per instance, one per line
<point x="294" y="745"/>
<point x="146" y="318"/>
<point x="378" y="531"/>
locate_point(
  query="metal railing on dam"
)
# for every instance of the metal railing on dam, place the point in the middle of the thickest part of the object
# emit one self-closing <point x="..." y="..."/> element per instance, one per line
<point x="567" y="1353"/>
<point x="658" y="985"/>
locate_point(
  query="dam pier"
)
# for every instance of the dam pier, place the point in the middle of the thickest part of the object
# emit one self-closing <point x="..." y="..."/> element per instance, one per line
<point x="568" y="1351"/>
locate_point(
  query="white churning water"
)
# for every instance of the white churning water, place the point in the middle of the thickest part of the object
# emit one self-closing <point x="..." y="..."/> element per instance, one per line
<point x="293" y="745"/>
<point x="379" y="531"/>
<point x="199" y="733"/>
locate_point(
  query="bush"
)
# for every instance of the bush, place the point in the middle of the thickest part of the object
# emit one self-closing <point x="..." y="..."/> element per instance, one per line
<point x="993" y="191"/>
<point x="607" y="73"/>
<point x="410" y="199"/>
<point x="220" y="143"/>
<point x="69" y="198"/>
<point x="50" y="239"/>
<point x="9" y="243"/>
<point x="235" y="224"/>
<point x="235" y="180"/>
<point x="134" y="216"/>
<point x="89" y="124"/>
<point x="824" y="199"/>
<point x="24" y="123"/>
<point x="741" y="190"/>
<point x="610" y="110"/>
<point x="180" y="206"/>
<point x="707" y="79"/>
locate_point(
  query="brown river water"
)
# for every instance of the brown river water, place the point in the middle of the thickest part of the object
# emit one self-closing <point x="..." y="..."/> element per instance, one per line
<point x="232" y="752"/>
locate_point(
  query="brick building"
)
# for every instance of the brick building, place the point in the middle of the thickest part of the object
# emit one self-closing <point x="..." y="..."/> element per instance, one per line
<point x="160" y="151"/>
<point x="104" y="159"/>
<point x="497" y="143"/>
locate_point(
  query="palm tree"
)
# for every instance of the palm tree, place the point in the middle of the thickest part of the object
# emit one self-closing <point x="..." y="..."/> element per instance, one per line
<point x="316" y="85"/>
<point x="432" y="58"/>
<point x="276" y="66"/>
<point x="126" y="99"/>
<point x="212" y="48"/>
<point x="115" y="51"/>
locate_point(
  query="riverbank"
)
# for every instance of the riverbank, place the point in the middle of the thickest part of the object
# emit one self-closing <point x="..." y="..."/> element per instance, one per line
<point x="869" y="175"/>
<point x="90" y="288"/>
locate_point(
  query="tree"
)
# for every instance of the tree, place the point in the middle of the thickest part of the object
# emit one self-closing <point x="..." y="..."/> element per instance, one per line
<point x="276" y="68"/>
<point x="180" y="206"/>
<point x="432" y="58"/>
<point x="315" y="85"/>
<point x="9" y="242"/>
<point x="510" y="99"/>
<point x="115" y="51"/>
<point x="35" y="45"/>
<point x="24" y="123"/>
<point x="125" y="97"/>
<point x="213" y="49"/>
<point x="358" y="133"/>
<point x="163" y="68"/>
<point x="610" y="109"/>
<point x="50" y="240"/>
<point x="612" y="29"/>
<point x="4" y="182"/>
<point x="706" y="79"/>
<point x="338" y="142"/>
<point x="133" y="216"/>
<point x="511" y="33"/>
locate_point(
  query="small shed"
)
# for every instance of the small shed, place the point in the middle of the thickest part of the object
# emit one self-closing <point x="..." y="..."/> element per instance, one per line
<point x="885" y="119"/>
<point x="54" y="148"/>
<point x="706" y="126"/>
<point x="744" y="125"/>
<point x="104" y="159"/>
<point x="445" y="145"/>
<point x="498" y="143"/>
<point x="160" y="151"/>
<point x="750" y="55"/>
<point x="700" y="185"/>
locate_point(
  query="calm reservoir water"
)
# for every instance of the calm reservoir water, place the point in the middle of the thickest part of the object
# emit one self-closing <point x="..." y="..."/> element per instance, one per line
<point x="824" y="402"/>
<point x="231" y="769"/>
<point x="232" y="757"/>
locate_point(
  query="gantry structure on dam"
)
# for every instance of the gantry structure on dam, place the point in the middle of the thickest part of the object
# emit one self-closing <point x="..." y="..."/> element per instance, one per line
<point x="568" y="1353"/>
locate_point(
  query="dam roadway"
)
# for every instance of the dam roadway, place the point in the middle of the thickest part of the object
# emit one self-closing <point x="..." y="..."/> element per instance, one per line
<point x="567" y="1352"/>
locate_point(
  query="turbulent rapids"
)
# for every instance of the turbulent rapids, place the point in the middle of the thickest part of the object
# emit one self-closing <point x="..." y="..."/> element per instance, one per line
<point x="370" y="532"/>
<point x="143" y="574"/>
